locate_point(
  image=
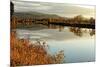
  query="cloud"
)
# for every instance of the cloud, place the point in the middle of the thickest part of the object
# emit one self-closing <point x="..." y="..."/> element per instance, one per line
<point x="53" y="8"/>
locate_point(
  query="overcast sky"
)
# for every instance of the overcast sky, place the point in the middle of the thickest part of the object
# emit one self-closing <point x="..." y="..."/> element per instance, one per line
<point x="61" y="9"/>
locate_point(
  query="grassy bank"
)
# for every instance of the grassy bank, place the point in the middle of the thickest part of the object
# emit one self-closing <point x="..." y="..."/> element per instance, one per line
<point x="23" y="53"/>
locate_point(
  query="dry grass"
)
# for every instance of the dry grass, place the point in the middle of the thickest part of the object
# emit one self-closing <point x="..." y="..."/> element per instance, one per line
<point x="23" y="53"/>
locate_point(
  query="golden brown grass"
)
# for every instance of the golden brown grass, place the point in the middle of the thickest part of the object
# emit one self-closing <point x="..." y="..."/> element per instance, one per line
<point x="23" y="53"/>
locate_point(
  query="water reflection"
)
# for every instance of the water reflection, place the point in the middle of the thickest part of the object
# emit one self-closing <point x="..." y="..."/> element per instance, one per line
<point x="76" y="30"/>
<point x="76" y="46"/>
<point x="51" y="26"/>
<point x="54" y="32"/>
<point x="92" y="32"/>
<point x="80" y="31"/>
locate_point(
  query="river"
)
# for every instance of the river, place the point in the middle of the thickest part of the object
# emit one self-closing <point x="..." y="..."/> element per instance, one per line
<point x="78" y="43"/>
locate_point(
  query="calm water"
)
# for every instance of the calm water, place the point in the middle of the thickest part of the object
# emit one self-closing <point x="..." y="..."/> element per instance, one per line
<point x="78" y="43"/>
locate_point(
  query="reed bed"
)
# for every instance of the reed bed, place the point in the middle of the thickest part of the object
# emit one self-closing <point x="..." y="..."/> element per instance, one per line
<point x="22" y="53"/>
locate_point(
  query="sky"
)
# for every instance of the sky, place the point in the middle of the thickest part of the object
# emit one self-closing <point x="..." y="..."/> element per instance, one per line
<point x="61" y="9"/>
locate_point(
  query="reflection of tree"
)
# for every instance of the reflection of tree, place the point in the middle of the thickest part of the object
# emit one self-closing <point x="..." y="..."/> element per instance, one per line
<point x="61" y="28"/>
<point x="92" y="32"/>
<point x="51" y="26"/>
<point x="77" y="31"/>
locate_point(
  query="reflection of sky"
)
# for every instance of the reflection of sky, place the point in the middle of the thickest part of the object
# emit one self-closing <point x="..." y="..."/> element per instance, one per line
<point x="52" y="34"/>
<point x="76" y="49"/>
<point x="54" y="8"/>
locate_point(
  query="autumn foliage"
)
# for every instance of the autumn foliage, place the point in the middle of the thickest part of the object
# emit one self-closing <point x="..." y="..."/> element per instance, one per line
<point x="23" y="53"/>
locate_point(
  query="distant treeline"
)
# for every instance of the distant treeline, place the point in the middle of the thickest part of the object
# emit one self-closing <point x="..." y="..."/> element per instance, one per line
<point x="74" y="21"/>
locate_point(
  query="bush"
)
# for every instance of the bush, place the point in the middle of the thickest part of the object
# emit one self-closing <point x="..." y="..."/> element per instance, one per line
<point x="23" y="53"/>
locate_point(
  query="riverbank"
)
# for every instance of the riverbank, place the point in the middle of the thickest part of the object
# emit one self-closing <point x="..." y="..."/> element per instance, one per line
<point x="23" y="53"/>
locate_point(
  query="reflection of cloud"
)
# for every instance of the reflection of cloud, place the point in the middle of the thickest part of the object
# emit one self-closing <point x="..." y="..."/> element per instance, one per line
<point x="49" y="34"/>
<point x="69" y="33"/>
